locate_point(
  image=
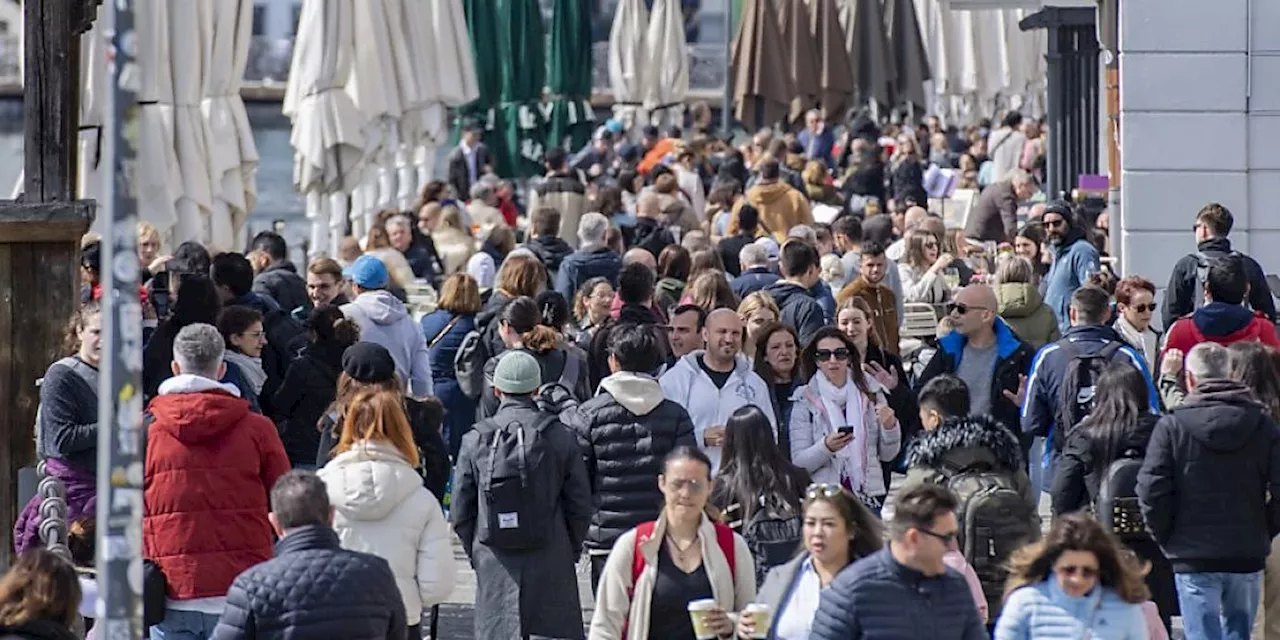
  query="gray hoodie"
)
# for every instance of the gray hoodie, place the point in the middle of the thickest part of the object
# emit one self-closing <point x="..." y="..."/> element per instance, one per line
<point x="384" y="320"/>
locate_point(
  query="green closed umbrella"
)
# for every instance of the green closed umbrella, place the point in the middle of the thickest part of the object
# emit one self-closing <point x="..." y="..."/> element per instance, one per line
<point x="522" y="47"/>
<point x="482" y="27"/>
<point x="569" y="75"/>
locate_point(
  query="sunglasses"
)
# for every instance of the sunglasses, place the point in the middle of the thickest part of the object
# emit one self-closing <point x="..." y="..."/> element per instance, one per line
<point x="1143" y="308"/>
<point x="944" y="538"/>
<point x="1073" y="570"/>
<point x="1049" y="224"/>
<point x="931" y="245"/>
<point x="824" y="490"/>
<point x="960" y="308"/>
<point x="822" y="355"/>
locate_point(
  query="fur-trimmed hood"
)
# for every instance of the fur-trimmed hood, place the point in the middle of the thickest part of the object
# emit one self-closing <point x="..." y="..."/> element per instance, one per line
<point x="973" y="432"/>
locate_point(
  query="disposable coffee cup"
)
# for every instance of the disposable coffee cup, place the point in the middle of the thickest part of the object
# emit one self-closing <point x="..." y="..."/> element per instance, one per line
<point x="698" y="610"/>
<point x="761" y="617"/>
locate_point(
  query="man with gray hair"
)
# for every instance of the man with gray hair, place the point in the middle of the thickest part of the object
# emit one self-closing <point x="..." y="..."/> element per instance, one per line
<point x="210" y="463"/>
<point x="756" y="274"/>
<point x="483" y="208"/>
<point x="1209" y="489"/>
<point x="312" y="588"/>
<point x="593" y="259"/>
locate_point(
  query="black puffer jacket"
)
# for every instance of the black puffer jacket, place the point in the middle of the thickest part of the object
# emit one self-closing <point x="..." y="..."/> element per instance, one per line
<point x="625" y="432"/>
<point x="280" y="282"/>
<point x="551" y="250"/>
<point x="309" y="387"/>
<point x="425" y="420"/>
<point x="1205" y="480"/>
<point x="313" y="588"/>
<point x="965" y="443"/>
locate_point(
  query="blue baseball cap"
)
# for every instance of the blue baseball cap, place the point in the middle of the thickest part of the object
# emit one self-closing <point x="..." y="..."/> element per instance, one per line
<point x="367" y="272"/>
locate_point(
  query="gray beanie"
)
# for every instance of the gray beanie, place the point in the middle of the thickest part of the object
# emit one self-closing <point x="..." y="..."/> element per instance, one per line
<point x="518" y="373"/>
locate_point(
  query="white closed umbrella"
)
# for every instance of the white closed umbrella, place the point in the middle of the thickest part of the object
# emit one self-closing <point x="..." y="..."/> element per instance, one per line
<point x="375" y="87"/>
<point x="93" y="96"/>
<point x="666" y="76"/>
<point x="627" y="60"/>
<point x="233" y="155"/>
<point x="190" y="58"/>
<point x="326" y="137"/>
<point x="158" y="180"/>
<point x="446" y="74"/>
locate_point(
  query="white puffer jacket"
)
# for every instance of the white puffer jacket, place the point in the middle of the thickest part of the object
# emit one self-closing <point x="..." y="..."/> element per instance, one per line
<point x="382" y="508"/>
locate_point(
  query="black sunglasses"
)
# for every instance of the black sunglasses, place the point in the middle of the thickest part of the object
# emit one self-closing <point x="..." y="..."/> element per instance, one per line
<point x="822" y="355"/>
<point x="944" y="538"/>
<point x="961" y="308"/>
<point x="1143" y="308"/>
<point x="1054" y="223"/>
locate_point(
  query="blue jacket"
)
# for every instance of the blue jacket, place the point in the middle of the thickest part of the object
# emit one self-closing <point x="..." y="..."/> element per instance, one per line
<point x="826" y="299"/>
<point x="876" y="597"/>
<point x="753" y="280"/>
<point x="1013" y="358"/>
<point x="581" y="266"/>
<point x="1049" y="367"/>
<point x="818" y="147"/>
<point x="799" y="309"/>
<point x="1071" y="268"/>
<point x="314" y="588"/>
<point x="442" y="349"/>
<point x="1045" y="612"/>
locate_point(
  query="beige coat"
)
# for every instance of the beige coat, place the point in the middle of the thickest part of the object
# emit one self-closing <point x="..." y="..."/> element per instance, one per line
<point x="615" y="607"/>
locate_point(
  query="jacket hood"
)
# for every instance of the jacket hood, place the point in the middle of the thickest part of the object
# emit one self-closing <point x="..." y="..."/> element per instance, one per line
<point x="636" y="313"/>
<point x="1215" y="244"/>
<point x="972" y="432"/>
<point x="260" y="303"/>
<point x="381" y="307"/>
<point x="1222" y="415"/>
<point x="370" y="480"/>
<point x="674" y="286"/>
<point x="1230" y="321"/>
<point x="1007" y="342"/>
<point x="771" y="193"/>
<point x="550" y="249"/>
<point x="638" y="393"/>
<point x="197" y="409"/>
<point x="782" y="292"/>
<point x="1018" y="299"/>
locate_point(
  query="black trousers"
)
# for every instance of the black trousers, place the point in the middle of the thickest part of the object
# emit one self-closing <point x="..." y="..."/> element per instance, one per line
<point x="597" y="569"/>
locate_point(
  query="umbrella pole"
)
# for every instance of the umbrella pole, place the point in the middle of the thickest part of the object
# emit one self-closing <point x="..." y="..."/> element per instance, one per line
<point x="726" y="109"/>
<point x="121" y="438"/>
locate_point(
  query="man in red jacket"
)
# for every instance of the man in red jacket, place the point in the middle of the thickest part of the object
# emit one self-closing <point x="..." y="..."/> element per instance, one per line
<point x="1223" y="319"/>
<point x="210" y="466"/>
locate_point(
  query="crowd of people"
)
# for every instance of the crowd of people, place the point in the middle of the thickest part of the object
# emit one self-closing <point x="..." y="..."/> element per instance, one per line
<point x="696" y="371"/>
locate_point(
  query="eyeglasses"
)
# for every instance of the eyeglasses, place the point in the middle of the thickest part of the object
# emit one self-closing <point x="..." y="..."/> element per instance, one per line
<point x="254" y="335"/>
<point x="1053" y="223"/>
<point x="1073" y="570"/>
<point x="824" y="490"/>
<point x="822" y="355"/>
<point x="944" y="538"/>
<point x="679" y="484"/>
<point x="960" y="308"/>
<point x="1143" y="308"/>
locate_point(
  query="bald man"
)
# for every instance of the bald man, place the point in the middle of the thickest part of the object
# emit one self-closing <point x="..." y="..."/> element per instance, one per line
<point x="714" y="382"/>
<point x="650" y="234"/>
<point x="643" y="256"/>
<point x="985" y="353"/>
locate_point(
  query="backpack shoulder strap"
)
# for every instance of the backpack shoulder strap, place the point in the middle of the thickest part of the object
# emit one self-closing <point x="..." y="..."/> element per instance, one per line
<point x="569" y="374"/>
<point x="1110" y="350"/>
<point x="644" y="531"/>
<point x="724" y="538"/>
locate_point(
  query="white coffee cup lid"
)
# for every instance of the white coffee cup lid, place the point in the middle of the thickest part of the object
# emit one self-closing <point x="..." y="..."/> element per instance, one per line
<point x="702" y="605"/>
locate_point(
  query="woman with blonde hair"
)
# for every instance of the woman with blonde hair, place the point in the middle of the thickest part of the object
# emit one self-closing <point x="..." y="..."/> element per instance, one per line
<point x="381" y="507"/>
<point x="710" y="290"/>
<point x="453" y="240"/>
<point x="1074" y="583"/>
<point x="757" y="310"/>
<point x="444" y="330"/>
<point x="39" y="598"/>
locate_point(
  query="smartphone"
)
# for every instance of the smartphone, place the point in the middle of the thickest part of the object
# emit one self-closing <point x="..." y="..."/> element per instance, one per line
<point x="845" y="431"/>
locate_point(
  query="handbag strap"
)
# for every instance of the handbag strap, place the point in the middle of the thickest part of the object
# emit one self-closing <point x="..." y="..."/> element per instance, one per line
<point x="445" y="330"/>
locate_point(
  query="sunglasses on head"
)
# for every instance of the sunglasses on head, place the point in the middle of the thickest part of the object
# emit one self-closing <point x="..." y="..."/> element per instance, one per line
<point x="960" y="308"/>
<point x="822" y="355"/>
<point x="1143" y="308"/>
<point x="823" y="489"/>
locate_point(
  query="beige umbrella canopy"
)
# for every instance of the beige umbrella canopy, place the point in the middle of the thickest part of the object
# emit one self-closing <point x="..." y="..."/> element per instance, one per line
<point x="190" y="64"/>
<point x="627" y="42"/>
<point x="233" y="155"/>
<point x="801" y="54"/>
<point x="835" y="70"/>
<point x="762" y="85"/>
<point x="869" y="52"/>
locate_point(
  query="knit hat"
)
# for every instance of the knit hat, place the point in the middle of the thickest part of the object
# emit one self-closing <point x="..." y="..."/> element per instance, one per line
<point x="480" y="267"/>
<point x="368" y="362"/>
<point x="518" y="373"/>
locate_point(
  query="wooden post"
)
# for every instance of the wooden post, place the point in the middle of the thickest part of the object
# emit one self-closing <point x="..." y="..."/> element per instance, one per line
<point x="40" y="235"/>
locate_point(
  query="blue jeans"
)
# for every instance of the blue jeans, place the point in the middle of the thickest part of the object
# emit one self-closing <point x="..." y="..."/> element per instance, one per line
<point x="1218" y="605"/>
<point x="184" y="625"/>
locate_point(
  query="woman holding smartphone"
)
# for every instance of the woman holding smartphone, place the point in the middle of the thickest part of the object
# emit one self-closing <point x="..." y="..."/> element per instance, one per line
<point x="840" y="431"/>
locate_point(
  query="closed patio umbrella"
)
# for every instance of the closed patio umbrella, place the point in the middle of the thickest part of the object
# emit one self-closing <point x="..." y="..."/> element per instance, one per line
<point x="482" y="26"/>
<point x="94" y="85"/>
<point x="801" y="54"/>
<point x="523" y="47"/>
<point x="233" y="156"/>
<point x="627" y="38"/>
<point x="666" y="72"/>
<point x="446" y="77"/>
<point x="326" y="136"/>
<point x="910" y="61"/>
<point x="157" y="180"/>
<point x="869" y="52"/>
<point x="835" y="70"/>
<point x="569" y="75"/>
<point x="762" y="86"/>
<point x="190" y="63"/>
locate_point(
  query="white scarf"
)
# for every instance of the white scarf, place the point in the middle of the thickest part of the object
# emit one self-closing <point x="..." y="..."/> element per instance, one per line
<point x="1144" y="340"/>
<point x="847" y="402"/>
<point x="250" y="369"/>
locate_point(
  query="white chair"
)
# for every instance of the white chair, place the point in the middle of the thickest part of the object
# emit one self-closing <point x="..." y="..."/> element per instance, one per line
<point x="422" y="298"/>
<point x="918" y="321"/>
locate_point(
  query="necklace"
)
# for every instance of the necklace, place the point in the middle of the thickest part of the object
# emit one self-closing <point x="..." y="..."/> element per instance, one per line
<point x="680" y="551"/>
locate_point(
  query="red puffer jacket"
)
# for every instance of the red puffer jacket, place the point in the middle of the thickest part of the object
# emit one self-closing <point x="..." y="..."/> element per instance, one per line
<point x="210" y="466"/>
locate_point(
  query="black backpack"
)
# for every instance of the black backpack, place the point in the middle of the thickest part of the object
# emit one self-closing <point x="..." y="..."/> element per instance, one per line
<point x="1075" y="395"/>
<point x="514" y="517"/>
<point x="558" y="396"/>
<point x="1116" y="505"/>
<point x="1202" y="275"/>
<point x="995" y="520"/>
<point x="773" y="533"/>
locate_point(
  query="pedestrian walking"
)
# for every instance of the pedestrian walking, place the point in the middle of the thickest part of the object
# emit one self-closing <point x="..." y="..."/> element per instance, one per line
<point x="386" y="321"/>
<point x="522" y="508"/>
<point x="838" y="530"/>
<point x="800" y="272"/>
<point x="775" y="361"/>
<point x="1076" y="583"/>
<point x="1075" y="260"/>
<point x="210" y="464"/>
<point x="905" y="590"/>
<point x="536" y="329"/>
<point x="840" y="431"/>
<point x="311" y="382"/>
<point x="233" y="277"/>
<point x="445" y="328"/>
<point x="279" y="280"/>
<point x="241" y="329"/>
<point x="381" y="506"/>
<point x="312" y="588"/>
<point x="39" y="598"/>
<point x="193" y="300"/>
<point x="592" y="259"/>
<point x="657" y="571"/>
<point x="1204" y="487"/>
<point x="1223" y="318"/>
<point x="1185" y="292"/>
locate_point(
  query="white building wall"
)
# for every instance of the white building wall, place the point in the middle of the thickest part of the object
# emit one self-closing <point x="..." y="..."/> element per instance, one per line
<point x="1200" y="122"/>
